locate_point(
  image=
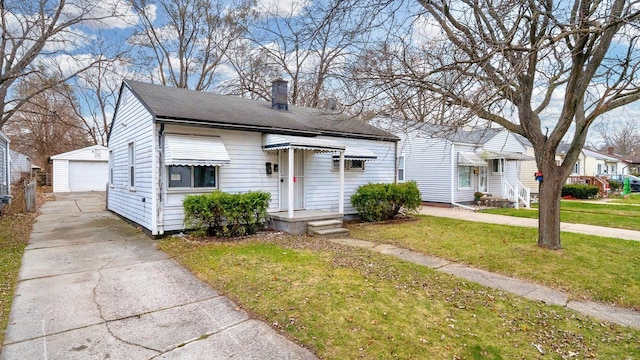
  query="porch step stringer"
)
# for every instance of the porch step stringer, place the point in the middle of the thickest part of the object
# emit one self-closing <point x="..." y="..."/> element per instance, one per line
<point x="327" y="229"/>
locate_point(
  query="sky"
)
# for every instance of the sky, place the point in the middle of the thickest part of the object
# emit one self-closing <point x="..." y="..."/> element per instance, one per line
<point x="87" y="41"/>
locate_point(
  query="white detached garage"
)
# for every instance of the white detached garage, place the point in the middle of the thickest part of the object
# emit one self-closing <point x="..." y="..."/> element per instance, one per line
<point x="84" y="169"/>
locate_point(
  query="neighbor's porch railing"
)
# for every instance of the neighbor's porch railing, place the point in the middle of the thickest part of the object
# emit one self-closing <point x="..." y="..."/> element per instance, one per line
<point x="601" y="183"/>
<point x="517" y="193"/>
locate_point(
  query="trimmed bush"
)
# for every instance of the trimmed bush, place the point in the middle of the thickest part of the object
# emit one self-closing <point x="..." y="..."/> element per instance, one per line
<point x="378" y="202"/>
<point x="227" y="215"/>
<point x="615" y="185"/>
<point x="579" y="191"/>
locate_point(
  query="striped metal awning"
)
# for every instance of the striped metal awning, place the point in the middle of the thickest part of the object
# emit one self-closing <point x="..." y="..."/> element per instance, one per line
<point x="280" y="142"/>
<point x="470" y="159"/>
<point x="195" y="150"/>
<point x="358" y="153"/>
<point x="508" y="155"/>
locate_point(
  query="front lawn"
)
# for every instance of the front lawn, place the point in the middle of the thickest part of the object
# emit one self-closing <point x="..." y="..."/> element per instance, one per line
<point x="577" y="212"/>
<point x="347" y="303"/>
<point x="14" y="235"/>
<point x="633" y="198"/>
<point x="589" y="267"/>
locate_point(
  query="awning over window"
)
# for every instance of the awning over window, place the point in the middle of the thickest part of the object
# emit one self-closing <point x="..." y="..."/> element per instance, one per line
<point x="194" y="150"/>
<point x="279" y="142"/>
<point x="508" y="155"/>
<point x="357" y="153"/>
<point x="470" y="159"/>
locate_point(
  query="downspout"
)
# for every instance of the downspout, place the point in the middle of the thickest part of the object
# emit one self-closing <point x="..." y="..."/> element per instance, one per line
<point x="397" y="165"/>
<point x="159" y="202"/>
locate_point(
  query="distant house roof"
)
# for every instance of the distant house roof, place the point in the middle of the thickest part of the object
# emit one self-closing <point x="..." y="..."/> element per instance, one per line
<point x="177" y="105"/>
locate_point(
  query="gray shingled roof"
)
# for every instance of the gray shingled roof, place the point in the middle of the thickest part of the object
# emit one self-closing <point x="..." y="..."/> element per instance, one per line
<point x="169" y="103"/>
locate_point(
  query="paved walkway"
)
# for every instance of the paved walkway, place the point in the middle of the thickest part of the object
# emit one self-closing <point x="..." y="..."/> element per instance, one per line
<point x="462" y="214"/>
<point x="612" y="314"/>
<point x="92" y="287"/>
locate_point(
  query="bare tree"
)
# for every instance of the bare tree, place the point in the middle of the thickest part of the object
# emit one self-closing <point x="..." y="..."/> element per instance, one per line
<point x="190" y="46"/>
<point x="39" y="37"/>
<point x="47" y="124"/>
<point x="541" y="69"/>
<point x="623" y="137"/>
<point x="308" y="45"/>
<point x="93" y="97"/>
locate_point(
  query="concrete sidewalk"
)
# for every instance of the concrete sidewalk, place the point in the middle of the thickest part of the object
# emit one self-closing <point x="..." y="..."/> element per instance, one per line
<point x="611" y="314"/>
<point x="92" y="287"/>
<point x="463" y="214"/>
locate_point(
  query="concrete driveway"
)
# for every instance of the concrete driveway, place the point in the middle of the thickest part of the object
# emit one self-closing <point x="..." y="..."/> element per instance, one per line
<point x="93" y="287"/>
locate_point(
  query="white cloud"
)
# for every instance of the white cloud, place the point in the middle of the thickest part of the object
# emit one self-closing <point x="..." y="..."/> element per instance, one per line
<point x="105" y="14"/>
<point x="281" y="8"/>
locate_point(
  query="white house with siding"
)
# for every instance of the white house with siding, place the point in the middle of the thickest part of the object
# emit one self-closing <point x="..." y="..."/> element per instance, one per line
<point x="166" y="143"/>
<point x="21" y="166"/>
<point x="450" y="167"/>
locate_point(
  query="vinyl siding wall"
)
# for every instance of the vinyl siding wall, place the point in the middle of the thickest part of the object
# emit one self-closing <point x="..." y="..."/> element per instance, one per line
<point x="505" y="141"/>
<point x="427" y="162"/>
<point x="133" y="124"/>
<point x="462" y="195"/>
<point x="246" y="171"/>
<point x="322" y="183"/>
<point x="20" y="165"/>
<point x="527" y="171"/>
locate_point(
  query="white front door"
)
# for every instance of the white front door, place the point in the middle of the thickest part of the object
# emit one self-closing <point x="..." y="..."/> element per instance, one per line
<point x="298" y="180"/>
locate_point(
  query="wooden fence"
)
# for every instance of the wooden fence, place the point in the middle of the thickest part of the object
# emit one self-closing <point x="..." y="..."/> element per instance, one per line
<point x="30" y="196"/>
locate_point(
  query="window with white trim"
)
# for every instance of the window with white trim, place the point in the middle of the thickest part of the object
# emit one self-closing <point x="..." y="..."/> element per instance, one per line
<point x="464" y="177"/>
<point x="497" y="166"/>
<point x="132" y="164"/>
<point x="401" y="168"/>
<point x="192" y="177"/>
<point x="349" y="165"/>
<point x="576" y="167"/>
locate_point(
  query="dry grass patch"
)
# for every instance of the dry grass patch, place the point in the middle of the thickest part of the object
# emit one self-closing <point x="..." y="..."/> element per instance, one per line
<point x="14" y="235"/>
<point x="347" y="303"/>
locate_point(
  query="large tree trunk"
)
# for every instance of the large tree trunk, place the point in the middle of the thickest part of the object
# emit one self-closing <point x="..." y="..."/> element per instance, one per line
<point x="549" y="210"/>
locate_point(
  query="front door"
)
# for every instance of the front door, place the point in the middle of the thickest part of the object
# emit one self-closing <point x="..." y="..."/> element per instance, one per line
<point x="298" y="180"/>
<point x="482" y="179"/>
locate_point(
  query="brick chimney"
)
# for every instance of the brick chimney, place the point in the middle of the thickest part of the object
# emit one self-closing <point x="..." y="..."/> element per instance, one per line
<point x="279" y="95"/>
<point x="610" y="150"/>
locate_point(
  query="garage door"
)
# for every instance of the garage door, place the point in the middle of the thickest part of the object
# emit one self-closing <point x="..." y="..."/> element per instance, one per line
<point x="88" y="175"/>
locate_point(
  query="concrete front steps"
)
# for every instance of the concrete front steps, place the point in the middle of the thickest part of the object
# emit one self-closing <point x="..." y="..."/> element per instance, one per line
<point x="327" y="229"/>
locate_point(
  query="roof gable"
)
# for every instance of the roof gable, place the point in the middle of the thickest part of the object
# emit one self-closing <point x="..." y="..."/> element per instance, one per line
<point x="78" y="154"/>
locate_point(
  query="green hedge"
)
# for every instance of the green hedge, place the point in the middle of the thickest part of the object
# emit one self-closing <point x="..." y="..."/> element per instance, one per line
<point x="579" y="191"/>
<point x="615" y="185"/>
<point x="227" y="215"/>
<point x="378" y="202"/>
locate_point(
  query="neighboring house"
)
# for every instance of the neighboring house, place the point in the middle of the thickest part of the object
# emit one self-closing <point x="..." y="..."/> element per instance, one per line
<point x="21" y="166"/>
<point x="80" y="170"/>
<point x="449" y="169"/>
<point x="630" y="162"/>
<point x="166" y="143"/>
<point x="528" y="169"/>
<point x="592" y="163"/>
<point x="5" y="168"/>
